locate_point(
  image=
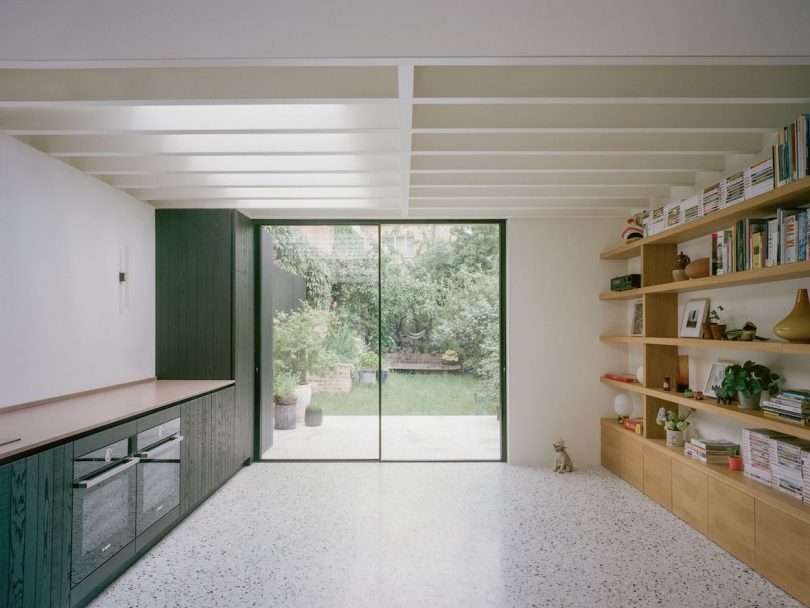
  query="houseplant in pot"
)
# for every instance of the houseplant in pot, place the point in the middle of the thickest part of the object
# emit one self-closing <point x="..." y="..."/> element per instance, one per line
<point x="735" y="461"/>
<point x="748" y="381"/>
<point x="368" y="365"/>
<point x="716" y="323"/>
<point x="284" y="382"/>
<point x="674" y="423"/>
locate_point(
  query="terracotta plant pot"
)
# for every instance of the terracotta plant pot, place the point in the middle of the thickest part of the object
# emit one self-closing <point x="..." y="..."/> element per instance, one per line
<point x="698" y="269"/>
<point x="796" y="326"/>
<point x="707" y="332"/>
<point x="718" y="331"/>
<point x="735" y="463"/>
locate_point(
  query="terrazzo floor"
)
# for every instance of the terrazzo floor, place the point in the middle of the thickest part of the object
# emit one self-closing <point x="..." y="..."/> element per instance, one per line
<point x="434" y="535"/>
<point x="403" y="438"/>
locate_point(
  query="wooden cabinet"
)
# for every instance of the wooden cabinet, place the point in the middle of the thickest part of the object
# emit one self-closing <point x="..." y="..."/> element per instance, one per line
<point x="658" y="476"/>
<point x="35" y="529"/>
<point x="731" y="520"/>
<point x="782" y="555"/>
<point x="212" y="450"/>
<point x="632" y="456"/>
<point x="611" y="450"/>
<point x="690" y="496"/>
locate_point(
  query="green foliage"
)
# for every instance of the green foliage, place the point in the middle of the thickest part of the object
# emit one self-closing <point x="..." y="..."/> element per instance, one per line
<point x="299" y="341"/>
<point x="748" y="379"/>
<point x="369" y="361"/>
<point x="284" y="381"/>
<point x="671" y="420"/>
<point x="343" y="342"/>
<point x="291" y="253"/>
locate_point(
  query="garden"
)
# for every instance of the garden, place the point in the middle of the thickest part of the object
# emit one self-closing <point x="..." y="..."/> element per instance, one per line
<point x="438" y="334"/>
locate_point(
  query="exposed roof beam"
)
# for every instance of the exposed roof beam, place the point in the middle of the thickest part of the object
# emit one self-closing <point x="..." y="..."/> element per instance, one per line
<point x="581" y="162"/>
<point x="289" y="180"/>
<point x="299" y="193"/>
<point x="405" y="133"/>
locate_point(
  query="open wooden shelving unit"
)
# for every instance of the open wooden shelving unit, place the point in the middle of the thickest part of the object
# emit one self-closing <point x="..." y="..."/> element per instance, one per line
<point x="763" y="527"/>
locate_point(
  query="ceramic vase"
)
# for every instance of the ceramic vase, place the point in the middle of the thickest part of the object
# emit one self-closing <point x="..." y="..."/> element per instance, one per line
<point x="796" y="326"/>
<point x="675" y="438"/>
<point x="749" y="403"/>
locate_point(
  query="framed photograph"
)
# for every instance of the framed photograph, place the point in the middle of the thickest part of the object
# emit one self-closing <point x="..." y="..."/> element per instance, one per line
<point x="715" y="377"/>
<point x="694" y="315"/>
<point x="637" y="320"/>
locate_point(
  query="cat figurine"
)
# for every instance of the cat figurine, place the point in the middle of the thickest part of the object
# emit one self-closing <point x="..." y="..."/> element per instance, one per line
<point x="563" y="463"/>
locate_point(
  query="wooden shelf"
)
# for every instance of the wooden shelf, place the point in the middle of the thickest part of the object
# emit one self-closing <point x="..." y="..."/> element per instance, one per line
<point x="752" y="418"/>
<point x="737" y="479"/>
<point x="785" y="272"/>
<point x="772" y="346"/>
<point x="795" y="193"/>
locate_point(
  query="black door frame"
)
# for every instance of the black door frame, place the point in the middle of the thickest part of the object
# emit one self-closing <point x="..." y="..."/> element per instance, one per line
<point x="259" y="223"/>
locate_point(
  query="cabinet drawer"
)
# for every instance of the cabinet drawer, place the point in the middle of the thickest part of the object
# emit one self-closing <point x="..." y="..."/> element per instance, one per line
<point x="632" y="460"/>
<point x="781" y="550"/>
<point x="731" y="520"/>
<point x="658" y="476"/>
<point x="690" y="496"/>
<point x="611" y="449"/>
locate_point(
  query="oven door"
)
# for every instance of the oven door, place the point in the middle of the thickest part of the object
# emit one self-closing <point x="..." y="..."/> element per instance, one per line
<point x="158" y="473"/>
<point x="103" y="506"/>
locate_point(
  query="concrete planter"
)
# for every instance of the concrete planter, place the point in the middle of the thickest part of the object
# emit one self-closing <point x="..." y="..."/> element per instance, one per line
<point x="303" y="393"/>
<point x="285" y="416"/>
<point x="313" y="416"/>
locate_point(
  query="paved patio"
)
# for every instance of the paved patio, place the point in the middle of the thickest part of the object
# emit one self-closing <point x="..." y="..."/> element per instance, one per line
<point x="403" y="438"/>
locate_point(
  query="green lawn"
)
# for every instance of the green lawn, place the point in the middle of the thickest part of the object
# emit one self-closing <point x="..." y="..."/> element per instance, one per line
<point x="411" y="394"/>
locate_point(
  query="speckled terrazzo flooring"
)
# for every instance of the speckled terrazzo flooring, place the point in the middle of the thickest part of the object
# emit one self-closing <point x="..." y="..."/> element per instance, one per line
<point x="434" y="535"/>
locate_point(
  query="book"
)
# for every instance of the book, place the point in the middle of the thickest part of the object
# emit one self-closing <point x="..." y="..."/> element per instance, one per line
<point x="691" y="208"/>
<point x="629" y="378"/>
<point x="801" y="236"/>
<point x="787" y="235"/>
<point x="772" y="257"/>
<point x="758" y="178"/>
<point x="733" y="190"/>
<point x="674" y="214"/>
<point x="711" y="198"/>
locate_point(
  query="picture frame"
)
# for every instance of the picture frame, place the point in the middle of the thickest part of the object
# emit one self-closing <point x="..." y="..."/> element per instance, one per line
<point x="637" y="318"/>
<point x="694" y="316"/>
<point x="715" y="377"/>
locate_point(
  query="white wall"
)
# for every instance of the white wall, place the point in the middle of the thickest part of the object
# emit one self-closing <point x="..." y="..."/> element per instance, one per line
<point x="155" y="30"/>
<point x="554" y="319"/>
<point x="62" y="329"/>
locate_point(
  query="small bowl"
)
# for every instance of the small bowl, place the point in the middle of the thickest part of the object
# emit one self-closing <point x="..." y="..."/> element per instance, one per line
<point x="698" y="269"/>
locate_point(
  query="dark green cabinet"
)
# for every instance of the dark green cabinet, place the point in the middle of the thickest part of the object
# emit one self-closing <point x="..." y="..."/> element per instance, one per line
<point x="211" y="451"/>
<point x="35" y="529"/>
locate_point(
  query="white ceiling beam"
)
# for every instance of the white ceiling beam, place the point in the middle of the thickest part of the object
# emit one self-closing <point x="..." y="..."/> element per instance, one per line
<point x="532" y="203"/>
<point x="550" y="178"/>
<point x="245" y="193"/>
<point x="406" y="76"/>
<point x="308" y="205"/>
<point x="524" y="192"/>
<point x="579" y="162"/>
<point x="290" y="180"/>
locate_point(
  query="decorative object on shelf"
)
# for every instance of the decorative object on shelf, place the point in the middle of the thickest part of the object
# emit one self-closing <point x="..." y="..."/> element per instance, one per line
<point x="634" y="424"/>
<point x="682" y="380"/>
<point x="629" y="378"/>
<point x="674" y="423"/>
<point x="747" y="333"/>
<point x="716" y="324"/>
<point x="699" y="396"/>
<point x="706" y="331"/>
<point x="563" y="462"/>
<point x="640" y="374"/>
<point x="635" y="226"/>
<point x="735" y="461"/>
<point x="749" y="381"/>
<point x="623" y="406"/>
<point x="637" y="320"/>
<point x="796" y="326"/>
<point x="666" y="385"/>
<point x="625" y="282"/>
<point x="689" y="393"/>
<point x="694" y="315"/>
<point x="715" y="378"/>
<point x="679" y="270"/>
<point x="698" y="269"/>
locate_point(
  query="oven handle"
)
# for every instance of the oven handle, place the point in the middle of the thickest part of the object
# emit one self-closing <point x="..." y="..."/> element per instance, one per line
<point x="108" y="474"/>
<point x="163" y="447"/>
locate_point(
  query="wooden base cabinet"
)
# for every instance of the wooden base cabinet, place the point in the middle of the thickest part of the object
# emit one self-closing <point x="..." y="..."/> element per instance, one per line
<point x="690" y="496"/>
<point x="731" y="520"/>
<point x="782" y="550"/>
<point x="611" y="450"/>
<point x="658" y="477"/>
<point x="632" y="461"/>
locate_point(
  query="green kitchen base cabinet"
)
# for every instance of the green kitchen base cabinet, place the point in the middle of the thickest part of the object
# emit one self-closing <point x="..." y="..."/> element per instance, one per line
<point x="35" y="529"/>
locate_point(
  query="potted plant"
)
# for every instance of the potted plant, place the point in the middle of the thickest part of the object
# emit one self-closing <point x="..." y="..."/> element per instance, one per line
<point x="748" y="381"/>
<point x="450" y="357"/>
<point x="369" y="363"/>
<point x="716" y="324"/>
<point x="674" y="423"/>
<point x="284" y="382"/>
<point x="735" y="461"/>
<point x="313" y="416"/>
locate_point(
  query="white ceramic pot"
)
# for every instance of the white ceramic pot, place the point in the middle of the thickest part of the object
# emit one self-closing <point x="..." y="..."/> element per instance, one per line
<point x="304" y="394"/>
<point x="675" y="438"/>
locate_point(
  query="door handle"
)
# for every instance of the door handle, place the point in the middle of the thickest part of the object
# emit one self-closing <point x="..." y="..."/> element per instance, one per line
<point x="108" y="474"/>
<point x="163" y="447"/>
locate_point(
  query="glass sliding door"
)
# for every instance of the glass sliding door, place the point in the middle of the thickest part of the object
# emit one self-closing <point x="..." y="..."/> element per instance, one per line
<point x="381" y="341"/>
<point x="319" y="308"/>
<point x="441" y="327"/>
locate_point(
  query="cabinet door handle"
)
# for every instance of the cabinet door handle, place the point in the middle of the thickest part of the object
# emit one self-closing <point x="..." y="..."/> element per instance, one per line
<point x="108" y="474"/>
<point x="163" y="447"/>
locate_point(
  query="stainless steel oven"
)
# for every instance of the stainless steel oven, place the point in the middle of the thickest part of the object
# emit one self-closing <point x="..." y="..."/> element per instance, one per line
<point x="104" y="501"/>
<point x="158" y="470"/>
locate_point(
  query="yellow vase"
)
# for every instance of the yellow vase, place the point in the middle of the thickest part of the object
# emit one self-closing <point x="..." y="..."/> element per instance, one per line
<point x="796" y="326"/>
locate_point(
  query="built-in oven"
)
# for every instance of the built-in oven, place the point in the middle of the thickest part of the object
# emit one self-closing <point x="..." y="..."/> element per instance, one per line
<point x="158" y="471"/>
<point x="104" y="501"/>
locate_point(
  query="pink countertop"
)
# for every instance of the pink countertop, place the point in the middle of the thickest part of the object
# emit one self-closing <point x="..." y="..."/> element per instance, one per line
<point x="40" y="425"/>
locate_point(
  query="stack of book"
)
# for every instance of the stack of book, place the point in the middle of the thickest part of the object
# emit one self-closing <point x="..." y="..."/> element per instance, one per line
<point x="756" y="453"/>
<point x="786" y="465"/>
<point x="758" y="178"/>
<point x="791" y="404"/>
<point x="710" y="451"/>
<point x="791" y="152"/>
<point x="806" y="475"/>
<point x="733" y="190"/>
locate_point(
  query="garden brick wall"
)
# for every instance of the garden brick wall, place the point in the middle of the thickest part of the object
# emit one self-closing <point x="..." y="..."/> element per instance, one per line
<point x="340" y="381"/>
